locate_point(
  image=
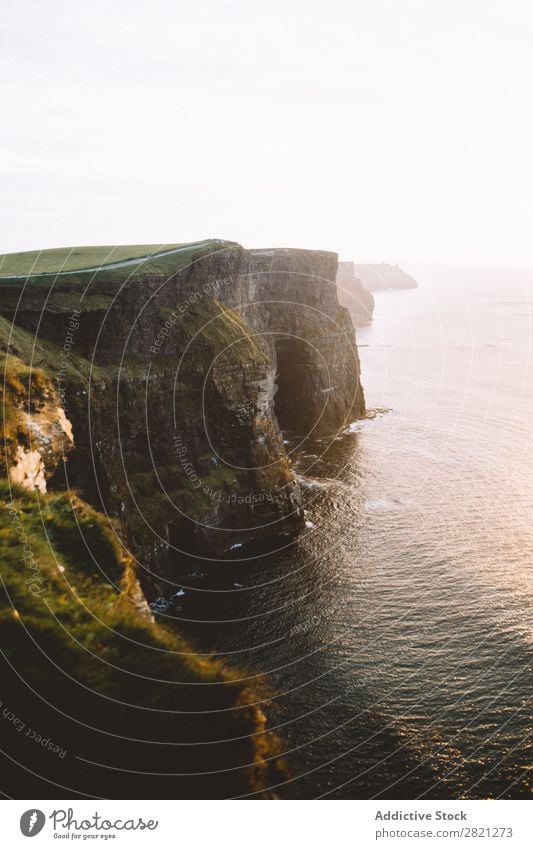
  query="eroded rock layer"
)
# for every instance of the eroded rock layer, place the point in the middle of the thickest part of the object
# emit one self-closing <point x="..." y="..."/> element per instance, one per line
<point x="178" y="381"/>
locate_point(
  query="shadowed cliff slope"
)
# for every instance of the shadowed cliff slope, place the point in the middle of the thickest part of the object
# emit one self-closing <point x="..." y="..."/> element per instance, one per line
<point x="97" y="700"/>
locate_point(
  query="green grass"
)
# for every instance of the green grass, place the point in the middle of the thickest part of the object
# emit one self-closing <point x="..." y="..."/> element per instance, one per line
<point x="79" y="654"/>
<point x="76" y="258"/>
<point x="81" y="645"/>
<point x="91" y="290"/>
<point x="19" y="348"/>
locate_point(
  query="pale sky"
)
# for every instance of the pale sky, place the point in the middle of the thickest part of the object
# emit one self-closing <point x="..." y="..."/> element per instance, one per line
<point x="385" y="130"/>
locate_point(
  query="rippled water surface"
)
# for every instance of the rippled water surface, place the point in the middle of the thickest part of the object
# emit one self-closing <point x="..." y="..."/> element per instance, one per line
<point x="396" y="636"/>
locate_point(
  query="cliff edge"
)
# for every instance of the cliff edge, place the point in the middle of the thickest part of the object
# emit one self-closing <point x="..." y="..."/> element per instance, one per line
<point x="144" y="404"/>
<point x="352" y="294"/>
<point x="376" y="276"/>
<point x="178" y="374"/>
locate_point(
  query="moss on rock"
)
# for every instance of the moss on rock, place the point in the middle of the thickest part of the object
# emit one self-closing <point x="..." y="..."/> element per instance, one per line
<point x="91" y="670"/>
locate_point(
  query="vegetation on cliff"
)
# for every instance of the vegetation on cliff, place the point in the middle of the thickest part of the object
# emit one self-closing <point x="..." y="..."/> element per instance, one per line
<point x="86" y="667"/>
<point x="61" y="260"/>
<point x="96" y="696"/>
<point x="152" y="390"/>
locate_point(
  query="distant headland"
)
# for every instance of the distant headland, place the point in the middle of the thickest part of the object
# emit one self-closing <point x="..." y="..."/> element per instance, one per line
<point x="382" y="275"/>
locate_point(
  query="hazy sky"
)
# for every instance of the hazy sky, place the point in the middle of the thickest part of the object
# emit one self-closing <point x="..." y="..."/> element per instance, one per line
<point x="384" y="129"/>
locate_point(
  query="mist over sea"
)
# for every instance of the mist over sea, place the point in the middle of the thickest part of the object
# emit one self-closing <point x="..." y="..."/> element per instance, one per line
<point x="396" y="637"/>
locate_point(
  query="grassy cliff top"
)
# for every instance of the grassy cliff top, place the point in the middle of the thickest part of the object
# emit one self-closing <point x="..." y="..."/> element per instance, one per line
<point x="92" y="258"/>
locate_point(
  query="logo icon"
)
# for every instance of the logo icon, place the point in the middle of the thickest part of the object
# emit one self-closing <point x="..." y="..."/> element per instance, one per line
<point x="32" y="822"/>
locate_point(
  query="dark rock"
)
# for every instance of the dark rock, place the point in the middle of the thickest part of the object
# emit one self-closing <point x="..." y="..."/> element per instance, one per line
<point x="177" y="383"/>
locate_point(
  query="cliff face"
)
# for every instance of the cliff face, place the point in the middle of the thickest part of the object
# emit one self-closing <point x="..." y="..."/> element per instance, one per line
<point x="308" y="338"/>
<point x="176" y="381"/>
<point x="382" y="275"/>
<point x="105" y="697"/>
<point x="352" y="294"/>
<point x="157" y="391"/>
<point x="36" y="433"/>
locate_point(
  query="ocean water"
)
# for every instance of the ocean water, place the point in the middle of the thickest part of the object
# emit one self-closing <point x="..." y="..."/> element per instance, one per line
<point x="394" y="640"/>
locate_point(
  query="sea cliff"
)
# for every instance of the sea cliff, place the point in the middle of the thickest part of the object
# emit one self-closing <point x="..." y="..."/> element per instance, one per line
<point x="382" y="275"/>
<point x="145" y="406"/>
<point x="178" y="382"/>
<point x="352" y="294"/>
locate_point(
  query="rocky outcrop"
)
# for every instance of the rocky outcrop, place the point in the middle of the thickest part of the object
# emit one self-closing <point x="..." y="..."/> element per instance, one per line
<point x="106" y="695"/>
<point x="160" y="395"/>
<point x="176" y="381"/>
<point x="381" y="275"/>
<point x="84" y="658"/>
<point x="308" y="338"/>
<point x="358" y="301"/>
<point x="37" y="435"/>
